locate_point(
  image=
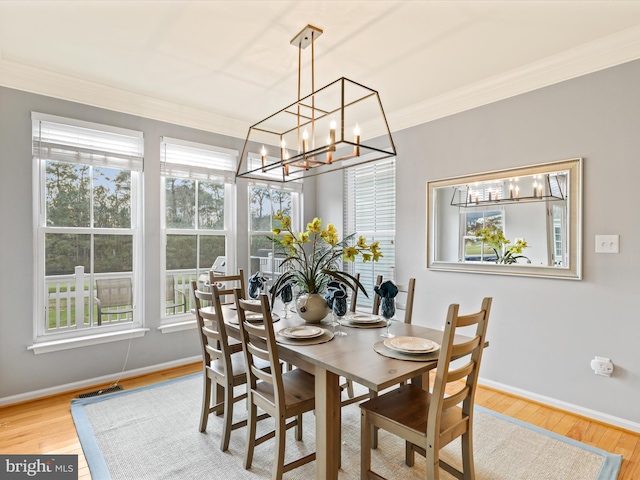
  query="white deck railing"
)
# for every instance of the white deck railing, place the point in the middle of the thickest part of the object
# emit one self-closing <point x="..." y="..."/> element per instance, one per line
<point x="72" y="297"/>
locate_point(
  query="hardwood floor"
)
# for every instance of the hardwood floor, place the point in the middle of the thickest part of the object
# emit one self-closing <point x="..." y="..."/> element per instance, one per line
<point x="45" y="425"/>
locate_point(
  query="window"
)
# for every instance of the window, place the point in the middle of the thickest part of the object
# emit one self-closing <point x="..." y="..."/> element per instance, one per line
<point x="472" y="249"/>
<point x="88" y="179"/>
<point x="198" y="193"/>
<point x="264" y="202"/>
<point x="370" y="211"/>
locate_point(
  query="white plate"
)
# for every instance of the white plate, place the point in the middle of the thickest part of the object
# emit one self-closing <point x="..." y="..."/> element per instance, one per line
<point x="304" y="331"/>
<point x="363" y="318"/>
<point x="411" y="344"/>
<point x="257" y="317"/>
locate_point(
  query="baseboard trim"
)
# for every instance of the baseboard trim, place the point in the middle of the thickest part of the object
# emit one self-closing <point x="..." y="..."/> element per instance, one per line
<point x="561" y="405"/>
<point x="46" y="392"/>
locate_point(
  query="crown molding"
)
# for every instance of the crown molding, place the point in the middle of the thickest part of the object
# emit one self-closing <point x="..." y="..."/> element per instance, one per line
<point x="43" y="82"/>
<point x="591" y="57"/>
<point x="603" y="53"/>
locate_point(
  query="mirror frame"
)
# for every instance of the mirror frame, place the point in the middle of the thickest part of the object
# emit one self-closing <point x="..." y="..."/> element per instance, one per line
<point x="574" y="213"/>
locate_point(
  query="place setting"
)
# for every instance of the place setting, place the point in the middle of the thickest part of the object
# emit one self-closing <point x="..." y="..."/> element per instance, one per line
<point x="252" y="301"/>
<point x="303" y="335"/>
<point x="416" y="349"/>
<point x="253" y="318"/>
<point x="363" y="320"/>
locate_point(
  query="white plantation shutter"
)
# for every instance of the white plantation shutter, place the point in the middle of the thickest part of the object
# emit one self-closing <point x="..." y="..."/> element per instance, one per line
<point x="370" y="211"/>
<point x="196" y="161"/>
<point x="75" y="141"/>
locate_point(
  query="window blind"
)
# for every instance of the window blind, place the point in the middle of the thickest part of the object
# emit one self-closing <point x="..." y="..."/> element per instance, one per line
<point x="182" y="159"/>
<point x="72" y="141"/>
<point x="370" y="206"/>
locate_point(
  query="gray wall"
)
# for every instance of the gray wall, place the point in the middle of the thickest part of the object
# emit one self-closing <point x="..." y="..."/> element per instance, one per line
<point x="21" y="371"/>
<point x="543" y="332"/>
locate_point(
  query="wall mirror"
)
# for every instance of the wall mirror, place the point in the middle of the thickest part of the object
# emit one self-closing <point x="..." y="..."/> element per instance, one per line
<point x="522" y="221"/>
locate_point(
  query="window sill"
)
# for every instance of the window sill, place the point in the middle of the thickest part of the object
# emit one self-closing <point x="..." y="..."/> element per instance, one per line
<point x="178" y="326"/>
<point x="79" y="342"/>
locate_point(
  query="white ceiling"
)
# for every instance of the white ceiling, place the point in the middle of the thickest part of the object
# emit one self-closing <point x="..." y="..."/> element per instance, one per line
<point x="224" y="65"/>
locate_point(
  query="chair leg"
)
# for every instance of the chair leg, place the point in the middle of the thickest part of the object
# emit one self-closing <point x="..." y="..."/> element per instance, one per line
<point x="365" y="442"/>
<point x="218" y="398"/>
<point x="433" y="462"/>
<point x="409" y="454"/>
<point x="228" y="417"/>
<point x="299" y="428"/>
<point x="251" y="434"/>
<point x="206" y="402"/>
<point x="374" y="430"/>
<point x="467" y="456"/>
<point x="281" y="436"/>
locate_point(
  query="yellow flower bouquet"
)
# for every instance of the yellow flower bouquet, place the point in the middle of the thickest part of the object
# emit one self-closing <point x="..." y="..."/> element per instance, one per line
<point x="314" y="257"/>
<point x="505" y="253"/>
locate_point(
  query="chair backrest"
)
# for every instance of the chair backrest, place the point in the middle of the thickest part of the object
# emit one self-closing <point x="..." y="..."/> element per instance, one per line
<point x="214" y="342"/>
<point x="170" y="289"/>
<point x="259" y="342"/>
<point x="227" y="283"/>
<point x="114" y="292"/>
<point x="458" y="385"/>
<point x="376" y="299"/>
<point x="404" y="301"/>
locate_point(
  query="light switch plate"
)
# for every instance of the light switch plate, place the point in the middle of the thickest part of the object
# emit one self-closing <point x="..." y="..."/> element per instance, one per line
<point x="607" y="243"/>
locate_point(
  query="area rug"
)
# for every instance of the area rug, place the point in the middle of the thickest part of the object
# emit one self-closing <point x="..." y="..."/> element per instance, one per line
<point x="152" y="433"/>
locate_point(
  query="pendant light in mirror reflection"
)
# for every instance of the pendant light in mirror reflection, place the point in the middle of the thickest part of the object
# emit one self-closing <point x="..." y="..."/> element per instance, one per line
<point x="531" y="188"/>
<point x="520" y="221"/>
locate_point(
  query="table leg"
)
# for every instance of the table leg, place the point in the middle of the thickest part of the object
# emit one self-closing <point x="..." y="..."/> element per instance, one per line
<point x="328" y="438"/>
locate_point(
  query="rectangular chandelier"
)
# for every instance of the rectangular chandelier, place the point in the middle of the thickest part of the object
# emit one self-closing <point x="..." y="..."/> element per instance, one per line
<point x="335" y="127"/>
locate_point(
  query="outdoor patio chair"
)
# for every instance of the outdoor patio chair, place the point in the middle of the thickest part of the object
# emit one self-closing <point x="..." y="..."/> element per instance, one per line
<point x="114" y="296"/>
<point x="175" y="297"/>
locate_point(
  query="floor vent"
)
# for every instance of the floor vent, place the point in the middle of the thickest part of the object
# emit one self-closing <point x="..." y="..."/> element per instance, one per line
<point x="100" y="392"/>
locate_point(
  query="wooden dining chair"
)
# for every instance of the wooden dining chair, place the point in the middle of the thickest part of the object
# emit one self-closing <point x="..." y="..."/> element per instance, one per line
<point x="429" y="421"/>
<point x="223" y="368"/>
<point x="406" y="293"/>
<point x="280" y="395"/>
<point x="226" y="285"/>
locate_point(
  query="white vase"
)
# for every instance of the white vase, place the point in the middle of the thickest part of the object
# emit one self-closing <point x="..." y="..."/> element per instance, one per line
<point x="312" y="307"/>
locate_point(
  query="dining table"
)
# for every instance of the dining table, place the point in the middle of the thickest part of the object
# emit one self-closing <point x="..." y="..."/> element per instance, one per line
<point x="355" y="357"/>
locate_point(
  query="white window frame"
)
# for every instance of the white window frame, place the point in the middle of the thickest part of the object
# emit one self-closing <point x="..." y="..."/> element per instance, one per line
<point x="209" y="163"/>
<point x="463" y="230"/>
<point x="90" y="151"/>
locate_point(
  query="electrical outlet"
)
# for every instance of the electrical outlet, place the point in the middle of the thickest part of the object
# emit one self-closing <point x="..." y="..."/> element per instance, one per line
<point x="607" y="243"/>
<point x="602" y="366"/>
